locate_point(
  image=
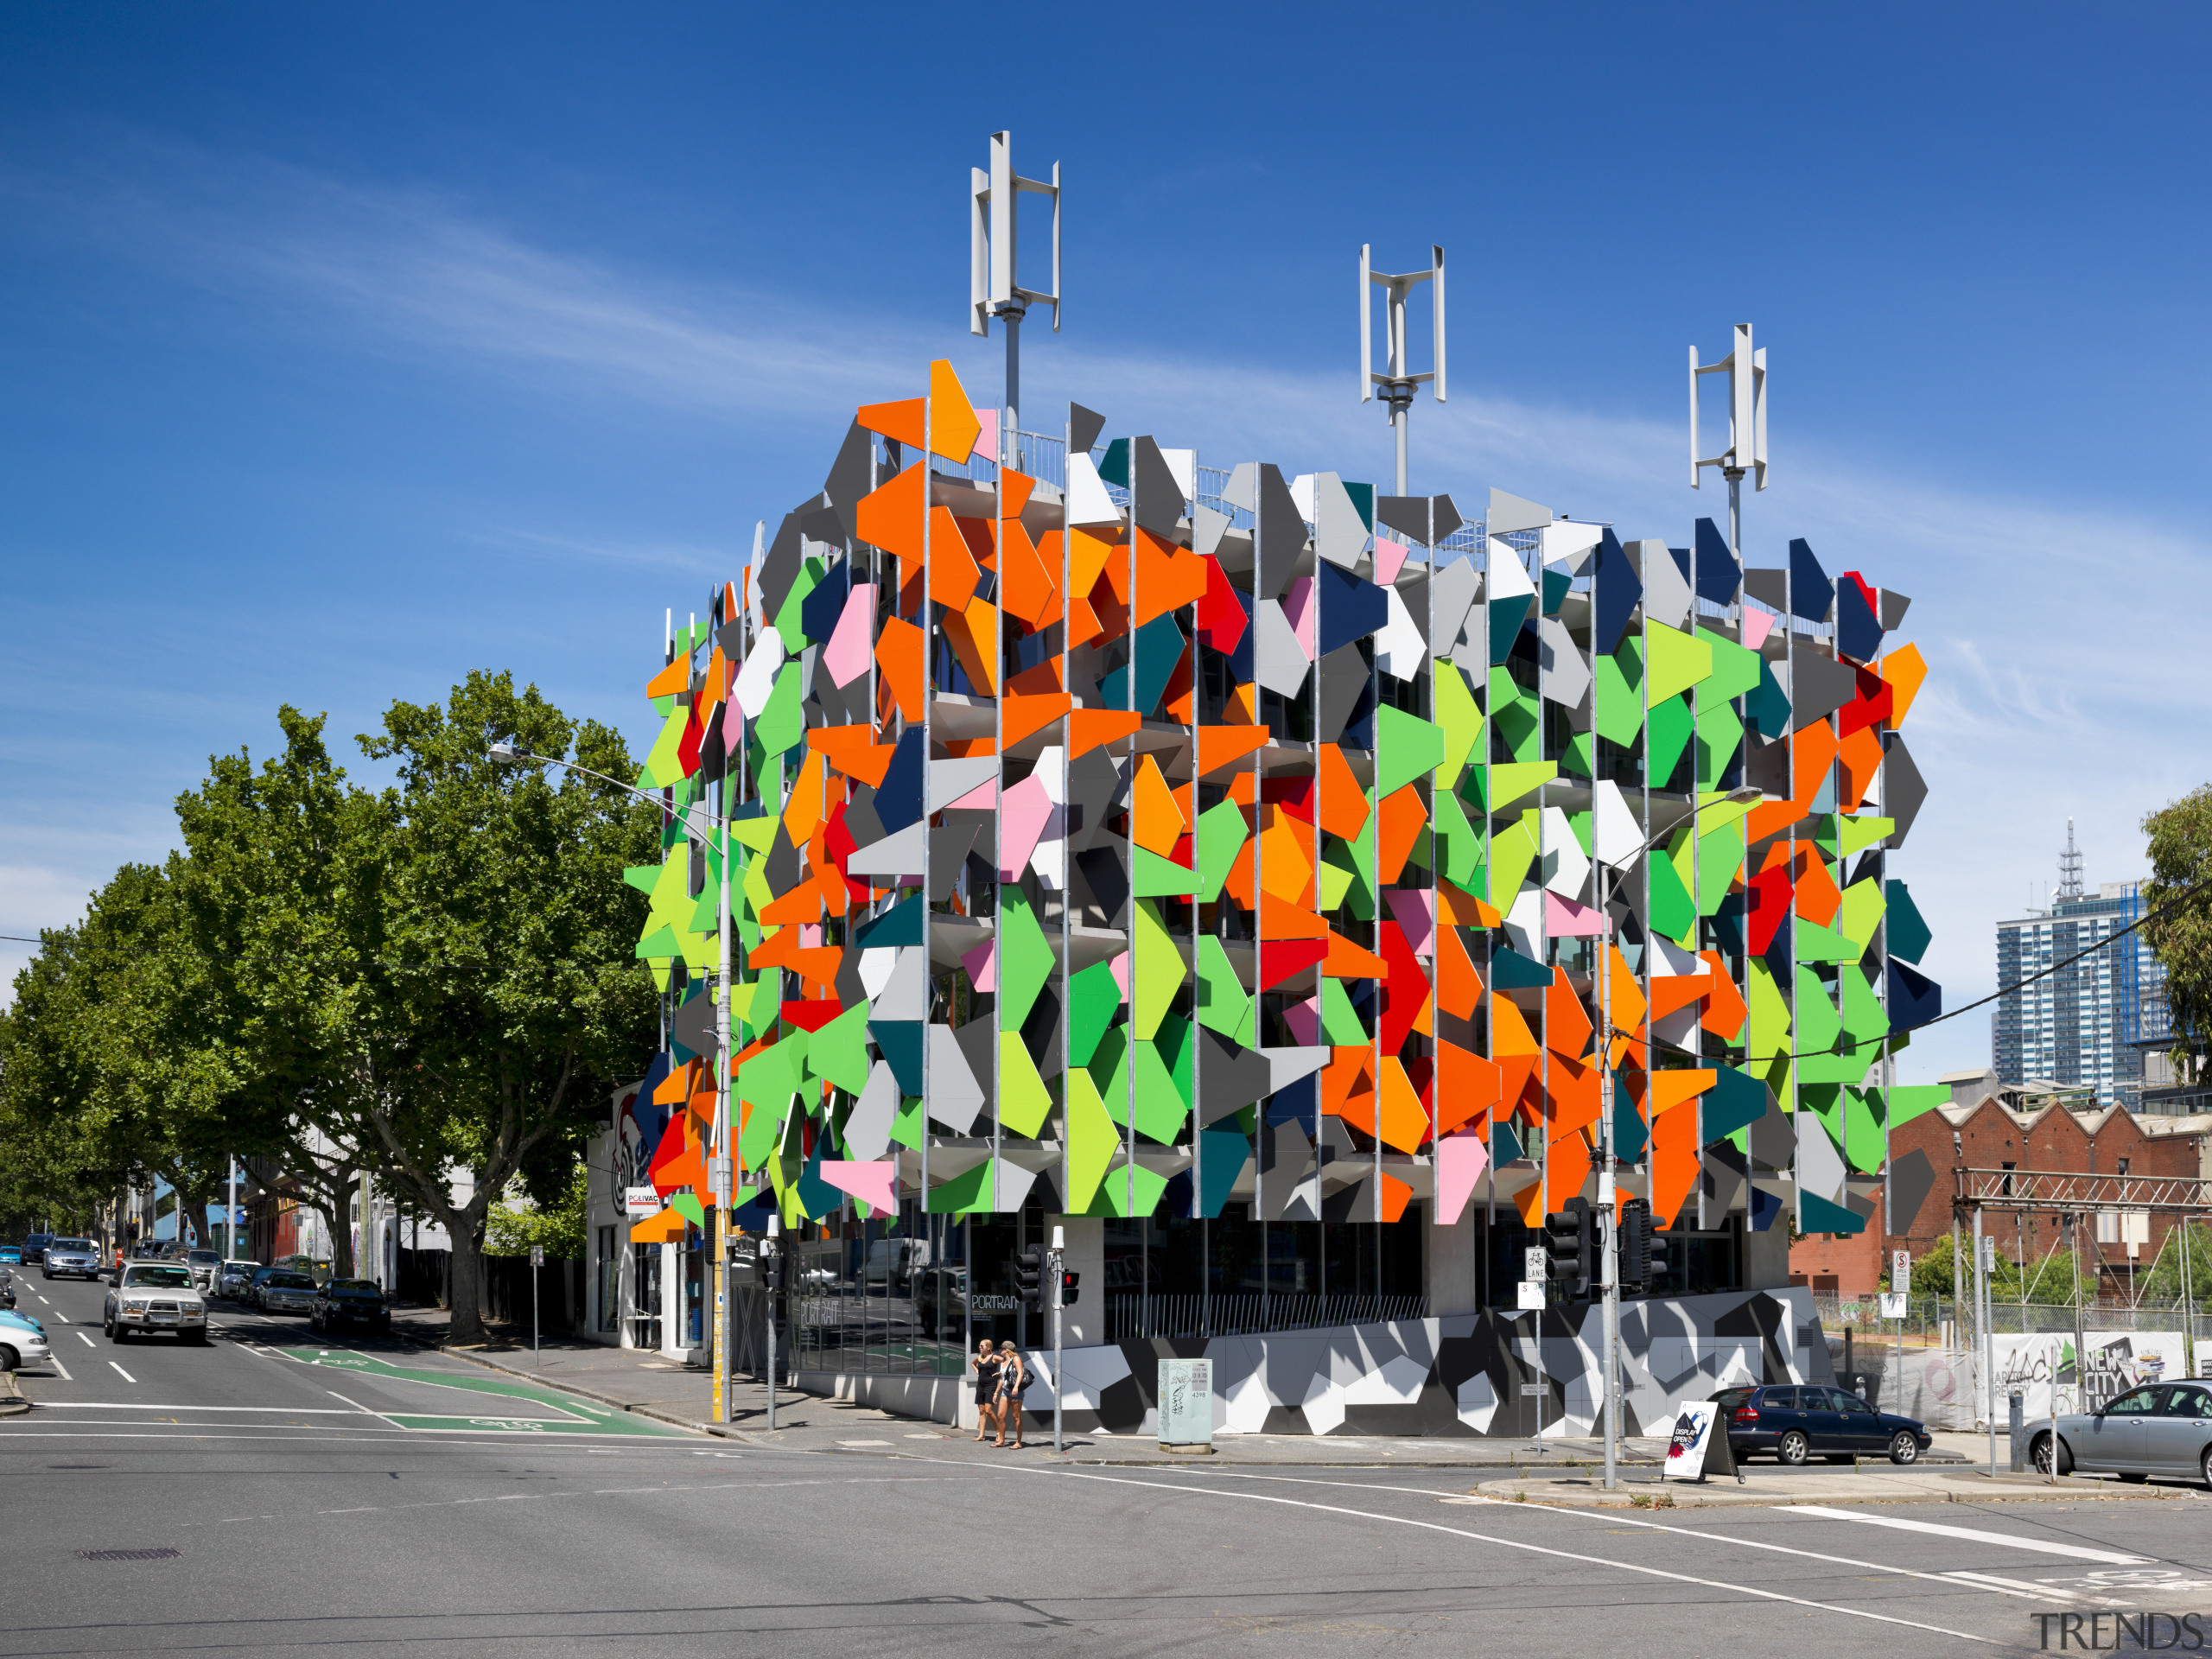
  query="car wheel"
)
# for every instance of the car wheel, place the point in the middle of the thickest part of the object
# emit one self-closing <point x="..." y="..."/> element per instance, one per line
<point x="198" y="1339"/>
<point x="1903" y="1448"/>
<point x="2039" y="1453"/>
<point x="8" y="1360"/>
<point x="107" y="1327"/>
<point x="2133" y="1477"/>
<point x="2204" y="1465"/>
<point x="1793" y="1447"/>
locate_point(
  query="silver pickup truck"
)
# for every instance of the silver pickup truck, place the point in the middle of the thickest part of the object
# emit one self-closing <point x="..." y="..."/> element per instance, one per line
<point x="156" y="1296"/>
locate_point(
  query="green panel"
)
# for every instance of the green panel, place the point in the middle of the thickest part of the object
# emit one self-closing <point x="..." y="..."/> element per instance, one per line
<point x="1220" y="837"/>
<point x="1911" y="1100"/>
<point x="1862" y="832"/>
<point x="1340" y="1025"/>
<point x="789" y="620"/>
<point x="1863" y="1017"/>
<point x="1161" y="1110"/>
<point x="1513" y="717"/>
<point x="763" y="1129"/>
<point x="1619" y="711"/>
<point x="1768" y="1031"/>
<point x="1512" y="850"/>
<point x="1581" y="822"/>
<point x="1222" y="1005"/>
<point x="663" y="762"/>
<point x="1108" y="1069"/>
<point x="1665" y="739"/>
<point x="1671" y="913"/>
<point x="907" y="1127"/>
<point x="1157" y="968"/>
<point x="1405" y="745"/>
<point x="1023" y="1098"/>
<point x="775" y="1073"/>
<point x="1094" y="1142"/>
<point x="661" y="942"/>
<point x="1719" y="734"/>
<point x="1862" y="1135"/>
<point x="1824" y="1100"/>
<point x="1359" y="896"/>
<point x="1025" y="959"/>
<point x="1461" y="843"/>
<point x="1860" y="913"/>
<point x="1575" y="758"/>
<point x="1678" y="662"/>
<point x="1338" y="873"/>
<point x="965" y="1194"/>
<point x="1720" y="856"/>
<point x="1115" y="1190"/>
<point x="687" y="1206"/>
<point x="1819" y="1030"/>
<point x="782" y="725"/>
<point x="1460" y="716"/>
<point x="1508" y="783"/>
<point x="1818" y="944"/>
<point x="1094" y="999"/>
<point x="1735" y="670"/>
<point x="1151" y="876"/>
<point x="839" y="1051"/>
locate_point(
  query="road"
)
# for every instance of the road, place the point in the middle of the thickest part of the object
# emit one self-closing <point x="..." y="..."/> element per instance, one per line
<point x="313" y="1494"/>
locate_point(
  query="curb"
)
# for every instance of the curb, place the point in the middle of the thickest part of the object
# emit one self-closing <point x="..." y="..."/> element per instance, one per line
<point x="12" y="1403"/>
<point x="2100" y="1492"/>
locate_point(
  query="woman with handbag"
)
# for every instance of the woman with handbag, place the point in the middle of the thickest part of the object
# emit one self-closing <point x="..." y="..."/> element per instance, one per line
<point x="1014" y="1380"/>
<point x="985" y="1365"/>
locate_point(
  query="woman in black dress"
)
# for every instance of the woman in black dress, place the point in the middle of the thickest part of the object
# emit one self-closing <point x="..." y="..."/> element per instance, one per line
<point x="985" y="1365"/>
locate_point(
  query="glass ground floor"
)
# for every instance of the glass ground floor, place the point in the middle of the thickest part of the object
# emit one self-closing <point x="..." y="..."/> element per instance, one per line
<point x="916" y="1294"/>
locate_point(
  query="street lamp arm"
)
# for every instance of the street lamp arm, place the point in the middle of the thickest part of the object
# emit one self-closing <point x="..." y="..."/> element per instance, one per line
<point x="508" y="755"/>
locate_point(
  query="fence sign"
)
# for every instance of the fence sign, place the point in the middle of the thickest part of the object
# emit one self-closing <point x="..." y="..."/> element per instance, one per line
<point x="1532" y="1293"/>
<point x="2045" y="1366"/>
<point x="1186" y="1402"/>
<point x="1894" y="1303"/>
<point x="537" y="1256"/>
<point x="640" y="1201"/>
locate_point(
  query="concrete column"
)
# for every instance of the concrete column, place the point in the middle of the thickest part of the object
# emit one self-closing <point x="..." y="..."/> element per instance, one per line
<point x="672" y="1344"/>
<point x="1448" y="1272"/>
<point x="1766" y="1259"/>
<point x="1086" y="1248"/>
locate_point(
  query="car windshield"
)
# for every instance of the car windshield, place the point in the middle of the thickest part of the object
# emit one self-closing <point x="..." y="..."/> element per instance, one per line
<point x="71" y="1244"/>
<point x="1732" y="1398"/>
<point x="358" y="1287"/>
<point x="205" y="1256"/>
<point x="158" y="1279"/>
<point x="288" y="1282"/>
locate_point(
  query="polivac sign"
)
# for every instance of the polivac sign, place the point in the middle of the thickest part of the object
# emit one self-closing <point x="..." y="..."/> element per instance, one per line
<point x="2110" y="1363"/>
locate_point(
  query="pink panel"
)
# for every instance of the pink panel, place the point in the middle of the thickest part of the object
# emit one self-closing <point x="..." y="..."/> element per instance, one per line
<point x="875" y="1185"/>
<point x="1028" y="809"/>
<point x="1460" y="1160"/>
<point x="1389" y="559"/>
<point x="853" y="641"/>
<point x="982" y="965"/>
<point x="1304" y="615"/>
<point x="1414" y="909"/>
<point x="1565" y="919"/>
<point x="1304" y="1020"/>
<point x="1120" y="971"/>
<point x="1758" y="624"/>
<point x="810" y="935"/>
<point x="987" y="441"/>
<point x="983" y="798"/>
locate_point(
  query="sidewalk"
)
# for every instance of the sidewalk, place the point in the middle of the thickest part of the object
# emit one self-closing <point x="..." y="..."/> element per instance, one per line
<point x="1769" y="1485"/>
<point x="640" y="1380"/>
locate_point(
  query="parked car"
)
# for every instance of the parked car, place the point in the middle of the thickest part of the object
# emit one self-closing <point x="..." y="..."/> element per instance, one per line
<point x="2163" y="1428"/>
<point x="351" y="1302"/>
<point x="155" y="1296"/>
<point x="35" y="1247"/>
<point x="317" y="1268"/>
<point x="281" y="1290"/>
<point x="23" y="1341"/>
<point x="204" y="1264"/>
<point x="74" y="1258"/>
<point x="1794" y="1422"/>
<point x="7" y="1289"/>
<point x="234" y="1278"/>
<point x="11" y="1254"/>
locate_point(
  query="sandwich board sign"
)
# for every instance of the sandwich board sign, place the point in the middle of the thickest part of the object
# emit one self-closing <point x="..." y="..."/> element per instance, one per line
<point x="1186" y="1402"/>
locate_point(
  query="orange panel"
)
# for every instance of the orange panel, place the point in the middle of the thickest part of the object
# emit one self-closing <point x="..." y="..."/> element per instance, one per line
<point x="1348" y="1086"/>
<point x="1343" y="803"/>
<point x="1116" y="576"/>
<point x="1220" y="745"/>
<point x="1083" y="626"/>
<point x="1459" y="986"/>
<point x="1348" y="961"/>
<point x="965" y="748"/>
<point x="1530" y="1201"/>
<point x="802" y="905"/>
<point x="1405" y="1120"/>
<point x="1904" y="670"/>
<point x="1168" y="578"/>
<point x="1574" y="1096"/>
<point x="981" y="536"/>
<point x="1241" y="707"/>
<point x="1405" y="815"/>
<point x="1087" y="554"/>
<point x="1725" y="1012"/>
<point x="1467" y="1087"/>
<point x="1812" y="751"/>
<point x="1238" y="885"/>
<point x="711" y="689"/>
<point x="1032" y="592"/>
<point x="1039" y="681"/>
<point x="1088" y="729"/>
<point x="1861" y="754"/>
<point x="1280" y="919"/>
<point x="1516" y="1082"/>
<point x="1674" y="1165"/>
<point x="1567" y="1028"/>
<point x="1626" y="1008"/>
<point x="678" y="1084"/>
<point x="1024" y="716"/>
<point x="803" y="811"/>
<point x="1112" y="612"/>
<point x="899" y="660"/>
<point x="1773" y="817"/>
<point x="672" y="681"/>
<point x="1818" y="901"/>
<point x="1671" y="1089"/>
<point x="1285" y="868"/>
<point x="666" y="1228"/>
<point x="973" y="634"/>
<point x="1395" y="1196"/>
<point x="953" y="426"/>
<point x="900" y="421"/>
<point x="891" y="517"/>
<point x="1462" y="909"/>
<point x="1509" y="1029"/>
<point x="954" y="574"/>
<point x="1013" y="491"/>
<point x="1566" y="1169"/>
<point x="1155" y="822"/>
<point x="1671" y="993"/>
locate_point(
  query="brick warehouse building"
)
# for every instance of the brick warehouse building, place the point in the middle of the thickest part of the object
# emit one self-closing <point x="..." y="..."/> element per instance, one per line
<point x="1988" y="1135"/>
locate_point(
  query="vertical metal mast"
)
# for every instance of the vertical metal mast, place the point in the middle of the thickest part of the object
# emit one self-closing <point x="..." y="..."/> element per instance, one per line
<point x="1746" y="451"/>
<point x="992" y="289"/>
<point x="1397" y="385"/>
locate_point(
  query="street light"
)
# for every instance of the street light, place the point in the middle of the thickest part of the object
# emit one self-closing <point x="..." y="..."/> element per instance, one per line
<point x="718" y="1148"/>
<point x="1609" y="1242"/>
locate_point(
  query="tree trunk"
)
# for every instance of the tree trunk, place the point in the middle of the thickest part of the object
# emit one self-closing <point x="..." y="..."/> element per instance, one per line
<point x="466" y="1325"/>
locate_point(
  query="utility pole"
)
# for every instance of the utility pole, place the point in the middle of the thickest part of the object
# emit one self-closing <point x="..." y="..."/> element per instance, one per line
<point x="719" y="1148"/>
<point x="772" y="1278"/>
<point x="1397" y="384"/>
<point x="1059" y="1261"/>
<point x="992" y="288"/>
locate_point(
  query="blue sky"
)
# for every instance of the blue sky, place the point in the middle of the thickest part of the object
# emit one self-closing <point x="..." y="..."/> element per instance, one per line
<point x="347" y="349"/>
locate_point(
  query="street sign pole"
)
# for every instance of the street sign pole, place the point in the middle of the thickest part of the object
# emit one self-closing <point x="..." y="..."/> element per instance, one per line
<point x="1901" y="1282"/>
<point x="772" y="1247"/>
<point x="536" y="1261"/>
<point x="1059" y="1322"/>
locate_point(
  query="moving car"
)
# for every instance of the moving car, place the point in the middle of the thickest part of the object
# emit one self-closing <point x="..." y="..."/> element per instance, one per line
<point x="280" y="1290"/>
<point x="11" y="1254"/>
<point x="2162" y="1428"/>
<point x="1794" y="1422"/>
<point x="235" y="1278"/>
<point x="23" y="1340"/>
<point x="204" y="1265"/>
<point x="155" y="1296"/>
<point x="35" y="1247"/>
<point x="351" y="1301"/>
<point x="75" y="1258"/>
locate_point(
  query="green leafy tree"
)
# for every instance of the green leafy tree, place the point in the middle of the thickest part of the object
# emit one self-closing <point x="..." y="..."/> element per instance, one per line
<point x="2180" y="856"/>
<point x="520" y="1221"/>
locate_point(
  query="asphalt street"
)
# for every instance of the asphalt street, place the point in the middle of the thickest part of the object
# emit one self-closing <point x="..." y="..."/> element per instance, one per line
<point x="310" y="1494"/>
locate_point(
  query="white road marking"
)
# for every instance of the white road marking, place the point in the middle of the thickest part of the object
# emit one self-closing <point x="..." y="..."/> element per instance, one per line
<point x="55" y="1361"/>
<point x="2042" y="1547"/>
<point x="132" y="1405"/>
<point x="86" y="1340"/>
<point x="358" y="1406"/>
<point x="1505" y="1543"/>
<point x="2016" y="1586"/>
<point x="124" y="1375"/>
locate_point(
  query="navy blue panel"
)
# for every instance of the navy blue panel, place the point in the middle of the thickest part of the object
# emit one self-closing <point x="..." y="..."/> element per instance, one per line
<point x="1914" y="999"/>
<point x="1857" y="630"/>
<point x="1175" y="1198"/>
<point x="1728" y="923"/>
<point x="1240" y="660"/>
<point x="1352" y="608"/>
<point x="1766" y="1210"/>
<point x="819" y="611"/>
<point x="1811" y="593"/>
<point x="1718" y="575"/>
<point x="1298" y="1104"/>
<point x="1615" y="590"/>
<point x="1682" y="557"/>
<point x="898" y="802"/>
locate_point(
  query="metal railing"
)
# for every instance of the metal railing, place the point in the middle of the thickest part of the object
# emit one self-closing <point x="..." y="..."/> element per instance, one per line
<point x="1135" y="1317"/>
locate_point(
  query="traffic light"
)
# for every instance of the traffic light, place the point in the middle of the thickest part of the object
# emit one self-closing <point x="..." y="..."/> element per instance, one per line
<point x="1636" y="1244"/>
<point x="772" y="1271"/>
<point x="1569" y="1257"/>
<point x="1029" y="1277"/>
<point x="1068" y="1287"/>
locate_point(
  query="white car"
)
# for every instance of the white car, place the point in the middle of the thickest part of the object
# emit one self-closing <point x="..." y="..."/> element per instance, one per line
<point x="23" y="1341"/>
<point x="156" y="1296"/>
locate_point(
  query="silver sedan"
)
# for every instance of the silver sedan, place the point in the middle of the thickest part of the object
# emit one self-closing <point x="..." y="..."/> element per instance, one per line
<point x="2162" y="1428"/>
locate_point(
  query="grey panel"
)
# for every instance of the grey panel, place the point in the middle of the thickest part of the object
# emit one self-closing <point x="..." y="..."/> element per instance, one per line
<point x="1819" y="685"/>
<point x="1101" y="873"/>
<point x="1448" y="518"/>
<point x="1231" y="1077"/>
<point x="1453" y="588"/>
<point x="954" y="1097"/>
<point x="1345" y="679"/>
<point x="1279" y="662"/>
<point x="849" y="480"/>
<point x="868" y="1128"/>
<point x="1567" y="675"/>
<point x="1509" y="513"/>
<point x="1723" y="1185"/>
<point x="824" y="526"/>
<point x="1155" y="498"/>
<point x="1207" y="528"/>
<point x="1083" y="428"/>
<point x="906" y="993"/>
<point x="948" y="849"/>
<point x="1903" y="789"/>
<point x="1769" y="587"/>
<point x="694" y="1025"/>
<point x="1281" y="536"/>
<point x="779" y="569"/>
<point x="950" y="779"/>
<point x="1407" y="514"/>
<point x="1242" y="488"/>
<point x="1912" y="1178"/>
<point x="1894" y="605"/>
<point x="1666" y="589"/>
<point x="1339" y="533"/>
<point x="899" y="854"/>
<point x="1097" y="786"/>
